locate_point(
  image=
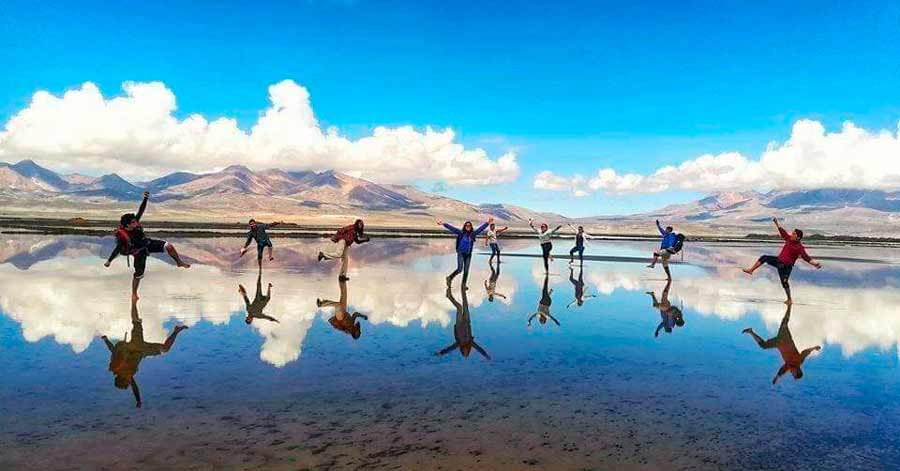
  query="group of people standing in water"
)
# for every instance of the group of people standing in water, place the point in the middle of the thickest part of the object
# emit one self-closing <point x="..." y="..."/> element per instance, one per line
<point x="131" y="241"/>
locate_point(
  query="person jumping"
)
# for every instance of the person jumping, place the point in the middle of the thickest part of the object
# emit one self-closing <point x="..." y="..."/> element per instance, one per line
<point x="791" y="357"/>
<point x="343" y="239"/>
<point x="792" y="250"/>
<point x="490" y="239"/>
<point x="258" y="231"/>
<point x="465" y="242"/>
<point x="670" y="316"/>
<point x="544" y="236"/>
<point x="131" y="241"/>
<point x="580" y="237"/>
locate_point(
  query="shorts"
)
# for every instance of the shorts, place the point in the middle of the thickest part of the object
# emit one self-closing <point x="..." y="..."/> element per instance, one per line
<point x="140" y="258"/>
<point x="664" y="256"/>
<point x="260" y="247"/>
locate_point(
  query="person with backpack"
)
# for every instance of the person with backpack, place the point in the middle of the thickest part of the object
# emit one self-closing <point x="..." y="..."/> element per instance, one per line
<point x="671" y="244"/>
<point x="671" y="316"/>
<point x="343" y="239"/>
<point x="544" y="236"/>
<point x="258" y="232"/>
<point x="131" y="241"/>
<point x="465" y="243"/>
<point x="491" y="239"/>
<point x="792" y="250"/>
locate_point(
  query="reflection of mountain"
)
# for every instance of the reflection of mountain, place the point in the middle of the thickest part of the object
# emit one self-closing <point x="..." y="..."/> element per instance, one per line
<point x="59" y="288"/>
<point x="28" y="188"/>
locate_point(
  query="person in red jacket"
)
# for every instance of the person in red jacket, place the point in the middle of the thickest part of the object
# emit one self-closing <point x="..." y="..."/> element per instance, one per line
<point x="343" y="239"/>
<point x="784" y="262"/>
<point x="791" y="357"/>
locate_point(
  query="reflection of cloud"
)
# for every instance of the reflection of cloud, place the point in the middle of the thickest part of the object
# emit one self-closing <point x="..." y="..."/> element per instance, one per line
<point x="73" y="299"/>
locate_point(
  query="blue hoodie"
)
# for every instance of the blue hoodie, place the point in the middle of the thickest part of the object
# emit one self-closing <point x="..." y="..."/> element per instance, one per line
<point x="465" y="242"/>
<point x="669" y="239"/>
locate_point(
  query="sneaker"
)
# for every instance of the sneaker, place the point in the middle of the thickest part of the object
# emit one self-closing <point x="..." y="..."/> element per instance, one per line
<point x="321" y="256"/>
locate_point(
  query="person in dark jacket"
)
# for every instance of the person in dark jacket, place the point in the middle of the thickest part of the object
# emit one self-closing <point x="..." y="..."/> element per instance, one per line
<point x="343" y="239"/>
<point x="465" y="243"/>
<point x="258" y="232"/>
<point x="131" y="241"/>
<point x="792" y="250"/>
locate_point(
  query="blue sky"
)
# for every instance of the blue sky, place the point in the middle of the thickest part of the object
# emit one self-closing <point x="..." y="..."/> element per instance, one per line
<point x="571" y="87"/>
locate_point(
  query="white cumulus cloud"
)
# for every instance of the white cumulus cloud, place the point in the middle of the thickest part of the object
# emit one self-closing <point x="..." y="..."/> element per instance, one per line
<point x="138" y="134"/>
<point x="811" y="158"/>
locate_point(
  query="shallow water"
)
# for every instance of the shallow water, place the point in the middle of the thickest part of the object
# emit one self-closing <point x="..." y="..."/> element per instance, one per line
<point x="597" y="391"/>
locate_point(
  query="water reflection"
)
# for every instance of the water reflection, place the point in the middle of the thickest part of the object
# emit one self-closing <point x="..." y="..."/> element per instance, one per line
<point x="793" y="359"/>
<point x="464" y="340"/>
<point x="342" y="320"/>
<point x="255" y="308"/>
<point x="671" y="316"/>
<point x="578" y="284"/>
<point x="543" y="310"/>
<point x="126" y="355"/>
<point x="490" y="285"/>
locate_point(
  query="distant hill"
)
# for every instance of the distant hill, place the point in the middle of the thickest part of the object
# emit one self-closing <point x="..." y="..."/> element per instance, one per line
<point x="236" y="193"/>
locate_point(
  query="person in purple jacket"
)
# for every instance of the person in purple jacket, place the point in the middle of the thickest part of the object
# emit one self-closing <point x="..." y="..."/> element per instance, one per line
<point x="465" y="242"/>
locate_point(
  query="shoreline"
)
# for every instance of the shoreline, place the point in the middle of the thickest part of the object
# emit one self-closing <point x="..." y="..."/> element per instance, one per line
<point x="176" y="229"/>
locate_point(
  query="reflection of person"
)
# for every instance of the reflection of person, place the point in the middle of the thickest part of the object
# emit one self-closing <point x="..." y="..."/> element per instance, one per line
<point x="131" y="240"/>
<point x="343" y="320"/>
<point x="579" y="287"/>
<point x="490" y="286"/>
<point x="462" y="329"/>
<point x="543" y="310"/>
<point x="465" y="242"/>
<point x="671" y="316"/>
<point x="343" y="239"/>
<point x="258" y="232"/>
<point x="127" y="354"/>
<point x="544" y="237"/>
<point x="792" y="250"/>
<point x="784" y="342"/>
<point x="256" y="307"/>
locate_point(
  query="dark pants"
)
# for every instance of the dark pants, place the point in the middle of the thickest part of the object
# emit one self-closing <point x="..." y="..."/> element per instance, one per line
<point x="140" y="258"/>
<point x="784" y="271"/>
<point x="546" y="247"/>
<point x="495" y="251"/>
<point x="580" y="250"/>
<point x="260" y="247"/>
<point x="463" y="260"/>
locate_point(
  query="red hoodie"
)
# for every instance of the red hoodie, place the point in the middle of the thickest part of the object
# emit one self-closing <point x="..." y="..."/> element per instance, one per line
<point x="792" y="250"/>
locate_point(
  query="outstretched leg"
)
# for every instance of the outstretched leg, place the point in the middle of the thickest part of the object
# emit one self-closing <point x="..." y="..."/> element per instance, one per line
<point x="170" y="341"/>
<point x="653" y="262"/>
<point x="764" y="344"/>
<point x="270" y="254"/>
<point x="759" y="263"/>
<point x="170" y="249"/>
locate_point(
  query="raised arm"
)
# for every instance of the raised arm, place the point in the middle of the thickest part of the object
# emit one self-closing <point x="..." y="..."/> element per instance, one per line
<point x="273" y="224"/>
<point x="109" y="344"/>
<point x="504" y="229"/>
<point x="783" y="233"/>
<point x="805" y="353"/>
<point x="481" y="228"/>
<point x="552" y="318"/>
<point x="554" y="231"/>
<point x="143" y="205"/>
<point x="660" y="228"/>
<point x="447" y="350"/>
<point x="532" y="318"/>
<point x="480" y="350"/>
<point x="451" y="228"/>
<point x="137" y="393"/>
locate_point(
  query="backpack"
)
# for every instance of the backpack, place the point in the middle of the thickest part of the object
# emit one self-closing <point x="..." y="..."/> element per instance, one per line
<point x="123" y="238"/>
<point x="679" y="244"/>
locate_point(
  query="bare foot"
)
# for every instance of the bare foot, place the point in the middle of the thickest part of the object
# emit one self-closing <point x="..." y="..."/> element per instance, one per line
<point x="747" y="271"/>
<point x="184" y="265"/>
<point x="789" y="302"/>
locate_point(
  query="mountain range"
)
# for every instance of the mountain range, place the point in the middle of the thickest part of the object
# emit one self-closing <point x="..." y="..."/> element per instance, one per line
<point x="328" y="197"/>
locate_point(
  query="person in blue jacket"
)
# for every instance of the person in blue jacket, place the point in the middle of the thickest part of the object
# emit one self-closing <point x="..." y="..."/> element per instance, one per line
<point x="465" y="242"/>
<point x="666" y="248"/>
